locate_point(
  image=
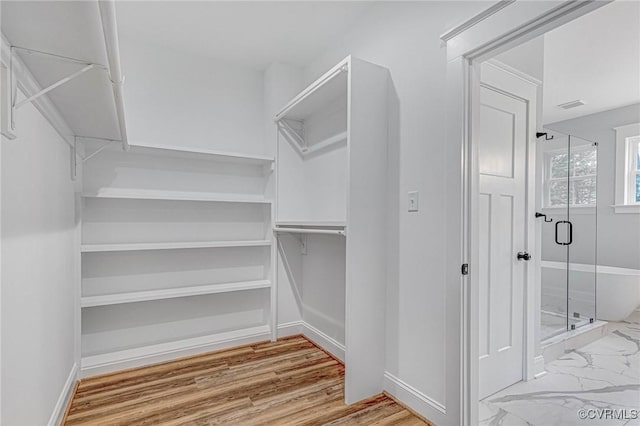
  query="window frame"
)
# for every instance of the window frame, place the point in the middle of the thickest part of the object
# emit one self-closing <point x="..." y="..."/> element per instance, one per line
<point x="548" y="180"/>
<point x="626" y="168"/>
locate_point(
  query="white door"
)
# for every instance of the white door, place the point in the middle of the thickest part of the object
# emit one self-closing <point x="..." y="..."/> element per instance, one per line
<point x="502" y="160"/>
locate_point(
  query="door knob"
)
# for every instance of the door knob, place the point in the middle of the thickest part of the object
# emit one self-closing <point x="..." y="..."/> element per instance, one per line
<point x="523" y="255"/>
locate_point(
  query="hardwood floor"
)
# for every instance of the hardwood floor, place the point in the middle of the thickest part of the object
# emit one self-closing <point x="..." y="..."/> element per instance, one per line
<point x="288" y="382"/>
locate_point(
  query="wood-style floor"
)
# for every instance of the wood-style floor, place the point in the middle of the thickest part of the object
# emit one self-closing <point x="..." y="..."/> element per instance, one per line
<point x="289" y="382"/>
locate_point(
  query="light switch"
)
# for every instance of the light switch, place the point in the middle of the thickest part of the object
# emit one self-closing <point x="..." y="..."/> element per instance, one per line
<point x="413" y="201"/>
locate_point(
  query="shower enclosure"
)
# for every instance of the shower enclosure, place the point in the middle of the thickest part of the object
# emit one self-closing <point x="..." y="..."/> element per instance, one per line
<point x="567" y="169"/>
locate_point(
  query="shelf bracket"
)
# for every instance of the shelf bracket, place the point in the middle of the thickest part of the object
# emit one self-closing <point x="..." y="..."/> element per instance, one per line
<point x="99" y="150"/>
<point x="74" y="159"/>
<point x="296" y="135"/>
<point x="54" y="85"/>
<point x="14" y="93"/>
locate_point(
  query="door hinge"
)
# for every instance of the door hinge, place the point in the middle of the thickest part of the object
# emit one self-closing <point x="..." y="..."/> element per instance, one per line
<point x="464" y="270"/>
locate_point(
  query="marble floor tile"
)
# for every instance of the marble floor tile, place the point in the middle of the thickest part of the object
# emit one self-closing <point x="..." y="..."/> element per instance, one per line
<point x="602" y="375"/>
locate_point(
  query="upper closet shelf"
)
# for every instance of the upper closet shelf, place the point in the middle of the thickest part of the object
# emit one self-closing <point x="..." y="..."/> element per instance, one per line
<point x="199" y="153"/>
<point x="322" y="92"/>
<point x="174" y="195"/>
<point x="89" y="248"/>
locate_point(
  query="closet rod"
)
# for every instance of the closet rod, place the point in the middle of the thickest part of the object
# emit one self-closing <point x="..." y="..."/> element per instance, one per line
<point x="311" y="231"/>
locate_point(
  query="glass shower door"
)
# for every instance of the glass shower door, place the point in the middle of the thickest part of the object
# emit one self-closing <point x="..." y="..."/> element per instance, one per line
<point x="554" y="178"/>
<point x="567" y="170"/>
<point x="581" y="274"/>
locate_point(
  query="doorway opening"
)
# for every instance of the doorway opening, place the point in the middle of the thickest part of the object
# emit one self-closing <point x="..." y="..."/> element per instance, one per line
<point x="542" y="208"/>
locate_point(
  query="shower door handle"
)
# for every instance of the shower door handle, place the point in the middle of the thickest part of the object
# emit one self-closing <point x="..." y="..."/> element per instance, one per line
<point x="570" y="231"/>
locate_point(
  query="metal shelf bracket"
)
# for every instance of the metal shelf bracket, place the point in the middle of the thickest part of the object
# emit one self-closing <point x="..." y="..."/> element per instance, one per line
<point x="15" y="105"/>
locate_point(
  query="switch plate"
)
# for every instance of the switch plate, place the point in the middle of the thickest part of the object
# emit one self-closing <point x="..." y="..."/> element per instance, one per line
<point x="413" y="201"/>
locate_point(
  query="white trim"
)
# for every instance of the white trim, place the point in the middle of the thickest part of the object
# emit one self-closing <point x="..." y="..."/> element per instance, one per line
<point x="626" y="208"/>
<point x="323" y="340"/>
<point x="290" y="328"/>
<point x="416" y="400"/>
<point x="538" y="367"/>
<point x="153" y="354"/>
<point x="514" y="71"/>
<point x="57" y="415"/>
<point x="460" y="28"/>
<point x="162" y="352"/>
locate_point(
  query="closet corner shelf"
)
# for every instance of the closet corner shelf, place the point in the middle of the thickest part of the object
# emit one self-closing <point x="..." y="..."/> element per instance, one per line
<point x="171" y="293"/>
<point x="93" y="248"/>
<point x="135" y="194"/>
<point x="131" y="354"/>
<point x="202" y="153"/>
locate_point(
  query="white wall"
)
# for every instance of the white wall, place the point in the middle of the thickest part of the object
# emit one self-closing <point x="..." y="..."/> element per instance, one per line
<point x="618" y="244"/>
<point x="39" y="270"/>
<point x="527" y="57"/>
<point x="404" y="37"/>
<point x="281" y="83"/>
<point x="173" y="97"/>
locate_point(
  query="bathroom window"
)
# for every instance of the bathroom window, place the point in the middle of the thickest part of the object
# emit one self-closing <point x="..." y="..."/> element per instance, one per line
<point x="571" y="176"/>
<point x="628" y="169"/>
<point x="633" y="153"/>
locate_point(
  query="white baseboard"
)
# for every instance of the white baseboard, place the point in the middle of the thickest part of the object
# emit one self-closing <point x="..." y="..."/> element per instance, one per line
<point x="321" y="339"/>
<point x="155" y="354"/>
<point x="414" y="399"/>
<point x="538" y="367"/>
<point x="65" y="397"/>
<point x="290" y="329"/>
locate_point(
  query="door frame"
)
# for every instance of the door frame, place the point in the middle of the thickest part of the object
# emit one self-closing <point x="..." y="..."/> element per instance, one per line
<point x="501" y="27"/>
<point x="511" y="82"/>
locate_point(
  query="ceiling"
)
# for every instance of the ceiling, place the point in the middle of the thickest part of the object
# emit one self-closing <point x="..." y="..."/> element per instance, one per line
<point x="596" y="59"/>
<point x="70" y="29"/>
<point x="252" y="34"/>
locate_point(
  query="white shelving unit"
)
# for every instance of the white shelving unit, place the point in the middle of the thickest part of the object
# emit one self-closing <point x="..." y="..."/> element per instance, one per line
<point x="92" y="248"/>
<point x="143" y="296"/>
<point x="331" y="215"/>
<point x="176" y="254"/>
<point x="174" y="196"/>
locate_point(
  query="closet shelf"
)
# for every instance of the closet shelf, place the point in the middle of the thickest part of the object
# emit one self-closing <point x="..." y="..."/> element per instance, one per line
<point x="93" y="248"/>
<point x="132" y="354"/>
<point x="313" y="224"/>
<point x="291" y="230"/>
<point x="328" y="228"/>
<point x="198" y="153"/>
<point x="144" y="296"/>
<point x="173" y="196"/>
<point x="328" y="88"/>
